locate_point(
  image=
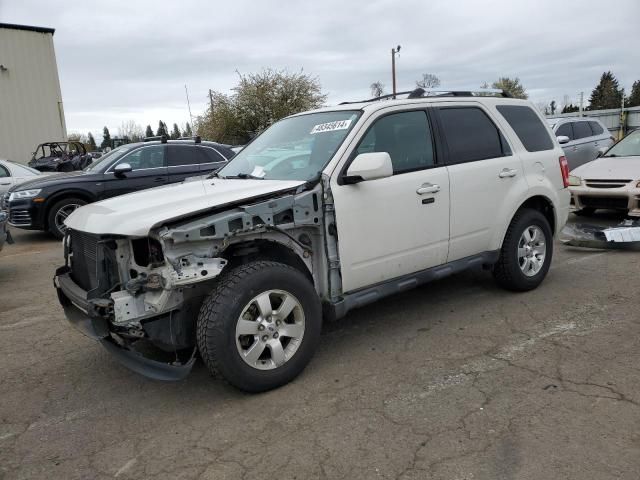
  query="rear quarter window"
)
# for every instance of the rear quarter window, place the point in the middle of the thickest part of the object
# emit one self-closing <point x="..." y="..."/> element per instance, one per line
<point x="596" y="128"/>
<point x="533" y="134"/>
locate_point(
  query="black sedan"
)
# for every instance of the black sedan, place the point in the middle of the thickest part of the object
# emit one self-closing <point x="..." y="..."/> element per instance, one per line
<point x="44" y="203"/>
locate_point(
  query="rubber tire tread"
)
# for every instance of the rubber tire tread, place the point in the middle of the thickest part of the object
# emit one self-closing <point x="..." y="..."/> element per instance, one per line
<point x="214" y="320"/>
<point x="506" y="271"/>
<point x="51" y="221"/>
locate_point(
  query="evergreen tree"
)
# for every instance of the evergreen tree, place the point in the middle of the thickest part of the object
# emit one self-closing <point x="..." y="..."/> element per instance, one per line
<point x="512" y="86"/>
<point x="175" y="133"/>
<point x="634" y="98"/>
<point x="607" y="93"/>
<point x="106" y="138"/>
<point x="187" y="131"/>
<point x="92" y="142"/>
<point x="148" y="132"/>
<point x="162" y="129"/>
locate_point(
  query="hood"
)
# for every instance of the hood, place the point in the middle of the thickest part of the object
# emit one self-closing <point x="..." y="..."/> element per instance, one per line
<point x="46" y="179"/>
<point x="610" y="168"/>
<point x="135" y="214"/>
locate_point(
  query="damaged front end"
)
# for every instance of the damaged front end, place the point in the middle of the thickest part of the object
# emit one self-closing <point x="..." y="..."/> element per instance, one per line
<point x="625" y="236"/>
<point x="140" y="297"/>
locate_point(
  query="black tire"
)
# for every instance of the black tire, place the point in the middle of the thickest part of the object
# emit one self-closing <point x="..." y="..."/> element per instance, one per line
<point x="507" y="271"/>
<point x="585" y="211"/>
<point x="53" y="211"/>
<point x="220" y="312"/>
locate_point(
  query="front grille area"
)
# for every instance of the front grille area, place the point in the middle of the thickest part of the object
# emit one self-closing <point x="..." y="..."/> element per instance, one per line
<point x="597" y="183"/>
<point x="605" y="202"/>
<point x="93" y="263"/>
<point x="19" y="217"/>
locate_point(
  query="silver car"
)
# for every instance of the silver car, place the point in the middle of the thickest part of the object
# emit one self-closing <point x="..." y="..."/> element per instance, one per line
<point x="12" y="173"/>
<point x="587" y="138"/>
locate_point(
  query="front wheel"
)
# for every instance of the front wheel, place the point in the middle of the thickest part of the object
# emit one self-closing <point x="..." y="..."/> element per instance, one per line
<point x="59" y="213"/>
<point x="260" y="325"/>
<point x="526" y="252"/>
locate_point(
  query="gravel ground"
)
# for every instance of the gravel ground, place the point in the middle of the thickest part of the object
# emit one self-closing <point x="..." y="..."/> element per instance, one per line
<point x="455" y="380"/>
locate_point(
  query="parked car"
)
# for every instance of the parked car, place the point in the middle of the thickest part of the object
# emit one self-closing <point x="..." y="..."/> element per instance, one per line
<point x="12" y="173"/>
<point x="44" y="203"/>
<point x="5" y="236"/>
<point x="326" y="211"/>
<point x="610" y="182"/>
<point x="60" y="157"/>
<point x="584" y="138"/>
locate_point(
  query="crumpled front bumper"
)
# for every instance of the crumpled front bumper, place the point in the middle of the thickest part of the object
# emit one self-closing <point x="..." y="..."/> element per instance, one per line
<point x="90" y="317"/>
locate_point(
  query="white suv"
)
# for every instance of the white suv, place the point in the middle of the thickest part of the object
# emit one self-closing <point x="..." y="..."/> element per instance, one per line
<point x="324" y="212"/>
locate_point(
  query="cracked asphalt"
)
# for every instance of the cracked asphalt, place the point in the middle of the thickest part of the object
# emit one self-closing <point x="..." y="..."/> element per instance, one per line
<point x="455" y="380"/>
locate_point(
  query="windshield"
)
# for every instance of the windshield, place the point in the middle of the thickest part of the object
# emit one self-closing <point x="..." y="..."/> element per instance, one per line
<point x="296" y="148"/>
<point x="102" y="163"/>
<point x="629" y="146"/>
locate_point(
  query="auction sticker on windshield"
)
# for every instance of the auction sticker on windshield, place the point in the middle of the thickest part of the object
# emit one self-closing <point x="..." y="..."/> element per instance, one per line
<point x="331" y="126"/>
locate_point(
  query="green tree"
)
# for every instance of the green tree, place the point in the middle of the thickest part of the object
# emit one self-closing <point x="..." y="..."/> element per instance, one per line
<point x="162" y="129"/>
<point x="428" y="80"/>
<point x="258" y="100"/>
<point x="570" y="108"/>
<point x="92" y="142"/>
<point x="607" y="93"/>
<point x="553" y="107"/>
<point x="187" y="131"/>
<point x="148" y="132"/>
<point x="634" y="98"/>
<point x="106" y="138"/>
<point x="512" y="86"/>
<point x="175" y="133"/>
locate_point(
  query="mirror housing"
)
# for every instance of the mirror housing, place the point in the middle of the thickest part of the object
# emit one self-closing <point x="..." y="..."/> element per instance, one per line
<point x="121" y="169"/>
<point x="369" y="166"/>
<point x="563" y="139"/>
<point x="602" y="151"/>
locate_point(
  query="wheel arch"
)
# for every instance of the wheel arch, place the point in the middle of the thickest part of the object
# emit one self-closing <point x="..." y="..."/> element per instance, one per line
<point x="539" y="202"/>
<point x="56" y="197"/>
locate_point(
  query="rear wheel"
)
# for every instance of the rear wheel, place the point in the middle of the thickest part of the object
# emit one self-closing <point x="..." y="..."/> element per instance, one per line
<point x="260" y="326"/>
<point x="526" y="252"/>
<point x="59" y="213"/>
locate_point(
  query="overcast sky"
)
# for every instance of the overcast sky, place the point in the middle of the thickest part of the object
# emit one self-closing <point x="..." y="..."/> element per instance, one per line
<point x="130" y="60"/>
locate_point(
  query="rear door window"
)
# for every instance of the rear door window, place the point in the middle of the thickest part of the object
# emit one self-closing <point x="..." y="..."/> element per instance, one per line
<point x="471" y="135"/>
<point x="596" y="128"/>
<point x="581" y="130"/>
<point x="185" y="155"/>
<point x="212" y="155"/>
<point x="565" y="130"/>
<point x="4" y="172"/>
<point x="530" y="130"/>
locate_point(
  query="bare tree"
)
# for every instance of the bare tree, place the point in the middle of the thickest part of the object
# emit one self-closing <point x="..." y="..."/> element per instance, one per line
<point x="377" y="89"/>
<point x="429" y="80"/>
<point x="553" y="107"/>
<point x="131" y="130"/>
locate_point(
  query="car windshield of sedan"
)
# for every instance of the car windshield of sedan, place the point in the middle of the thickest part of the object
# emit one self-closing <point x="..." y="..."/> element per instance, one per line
<point x="629" y="146"/>
<point x="296" y="148"/>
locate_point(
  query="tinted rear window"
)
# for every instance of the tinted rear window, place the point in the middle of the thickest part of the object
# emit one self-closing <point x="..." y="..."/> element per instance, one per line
<point x="185" y="155"/>
<point x="581" y="130"/>
<point x="471" y="135"/>
<point x="530" y="130"/>
<point x="596" y="128"/>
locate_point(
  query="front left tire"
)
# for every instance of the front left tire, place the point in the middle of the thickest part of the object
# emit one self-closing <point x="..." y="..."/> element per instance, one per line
<point x="260" y="325"/>
<point x="58" y="214"/>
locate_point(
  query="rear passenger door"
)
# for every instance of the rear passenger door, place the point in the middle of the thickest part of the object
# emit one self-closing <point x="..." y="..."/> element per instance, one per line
<point x="583" y="145"/>
<point x="184" y="161"/>
<point x="484" y="175"/>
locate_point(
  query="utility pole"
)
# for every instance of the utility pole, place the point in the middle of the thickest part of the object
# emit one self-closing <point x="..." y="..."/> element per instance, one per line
<point x="394" y="51"/>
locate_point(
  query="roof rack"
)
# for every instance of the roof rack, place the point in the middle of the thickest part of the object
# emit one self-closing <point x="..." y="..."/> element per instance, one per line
<point x="195" y="138"/>
<point x="162" y="138"/>
<point x="440" y="92"/>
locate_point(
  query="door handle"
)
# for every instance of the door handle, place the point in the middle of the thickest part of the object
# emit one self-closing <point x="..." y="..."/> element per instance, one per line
<point x="508" y="173"/>
<point x="426" y="188"/>
<point x="575" y="148"/>
<point x="8" y="183"/>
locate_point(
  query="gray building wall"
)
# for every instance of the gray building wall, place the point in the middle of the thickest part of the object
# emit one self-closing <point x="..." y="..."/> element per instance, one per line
<point x="31" y="109"/>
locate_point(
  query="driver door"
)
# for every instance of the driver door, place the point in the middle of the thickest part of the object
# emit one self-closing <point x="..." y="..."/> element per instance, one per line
<point x="149" y="170"/>
<point x="398" y="225"/>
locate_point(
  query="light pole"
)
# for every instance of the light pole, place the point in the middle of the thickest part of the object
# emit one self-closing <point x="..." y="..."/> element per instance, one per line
<point x="394" y="51"/>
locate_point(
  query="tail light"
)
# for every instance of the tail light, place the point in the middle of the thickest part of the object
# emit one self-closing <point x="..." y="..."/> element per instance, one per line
<point x="564" y="169"/>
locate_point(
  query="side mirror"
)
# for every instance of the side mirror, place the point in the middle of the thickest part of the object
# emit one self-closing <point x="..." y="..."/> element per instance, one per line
<point x="563" y="139"/>
<point x="121" y="169"/>
<point x="369" y="166"/>
<point x="602" y="151"/>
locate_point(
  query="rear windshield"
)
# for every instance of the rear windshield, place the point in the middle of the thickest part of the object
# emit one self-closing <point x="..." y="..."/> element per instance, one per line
<point x="530" y="130"/>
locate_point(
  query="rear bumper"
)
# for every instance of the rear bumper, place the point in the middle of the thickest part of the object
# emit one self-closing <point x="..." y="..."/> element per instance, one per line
<point x="90" y="317"/>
